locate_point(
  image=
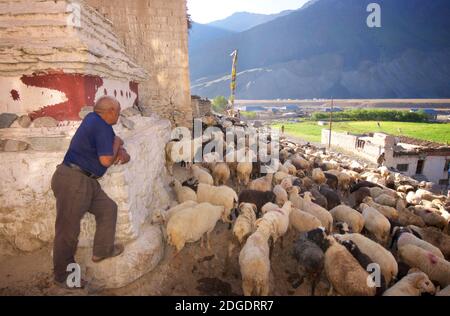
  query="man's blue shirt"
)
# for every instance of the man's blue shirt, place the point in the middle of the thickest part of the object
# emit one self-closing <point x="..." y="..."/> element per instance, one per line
<point x="94" y="138"/>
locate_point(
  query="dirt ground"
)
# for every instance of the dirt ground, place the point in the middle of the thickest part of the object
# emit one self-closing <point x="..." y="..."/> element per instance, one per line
<point x="195" y="271"/>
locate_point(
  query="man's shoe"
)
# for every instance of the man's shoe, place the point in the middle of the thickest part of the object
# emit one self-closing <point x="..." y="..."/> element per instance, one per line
<point x="118" y="249"/>
<point x="63" y="285"/>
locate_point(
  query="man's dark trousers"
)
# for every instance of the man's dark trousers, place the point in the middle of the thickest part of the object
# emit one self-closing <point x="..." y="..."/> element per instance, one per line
<point x="75" y="195"/>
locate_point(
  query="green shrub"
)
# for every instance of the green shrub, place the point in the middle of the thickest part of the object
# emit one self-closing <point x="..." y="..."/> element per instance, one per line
<point x="372" y="115"/>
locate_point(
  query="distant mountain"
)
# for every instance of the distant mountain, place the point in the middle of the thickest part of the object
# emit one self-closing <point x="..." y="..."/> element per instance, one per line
<point x="325" y="49"/>
<point x="242" y="21"/>
<point x="201" y="34"/>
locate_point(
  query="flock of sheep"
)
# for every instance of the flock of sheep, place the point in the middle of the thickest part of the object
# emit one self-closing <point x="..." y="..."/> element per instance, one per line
<point x="352" y="221"/>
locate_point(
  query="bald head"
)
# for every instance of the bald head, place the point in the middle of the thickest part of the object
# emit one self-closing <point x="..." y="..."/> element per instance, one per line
<point x="106" y="103"/>
<point x="108" y="108"/>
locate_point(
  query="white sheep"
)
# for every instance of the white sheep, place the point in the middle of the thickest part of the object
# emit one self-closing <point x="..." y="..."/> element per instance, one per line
<point x="303" y="221"/>
<point x="387" y="200"/>
<point x="387" y="211"/>
<point x="191" y="224"/>
<point x="162" y="217"/>
<point x="221" y="173"/>
<point x="314" y="209"/>
<point x="444" y="292"/>
<point x="223" y="195"/>
<point x="263" y="184"/>
<point x="344" y="272"/>
<point x="410" y="239"/>
<point x="344" y="213"/>
<point x="281" y="194"/>
<point x="413" y="284"/>
<point x="280" y="176"/>
<point x="202" y="175"/>
<point x="318" y="176"/>
<point x="243" y="170"/>
<point x="254" y="264"/>
<point x="287" y="183"/>
<point x="269" y="207"/>
<point x="277" y="220"/>
<point x="376" y="223"/>
<point x="183" y="193"/>
<point x="436" y="268"/>
<point x="290" y="167"/>
<point x="377" y="253"/>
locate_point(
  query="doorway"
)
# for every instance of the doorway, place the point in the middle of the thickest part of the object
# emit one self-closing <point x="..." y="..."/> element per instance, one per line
<point x="420" y="165"/>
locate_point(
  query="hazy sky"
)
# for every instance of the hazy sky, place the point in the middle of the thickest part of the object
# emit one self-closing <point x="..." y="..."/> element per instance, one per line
<point x="205" y="11"/>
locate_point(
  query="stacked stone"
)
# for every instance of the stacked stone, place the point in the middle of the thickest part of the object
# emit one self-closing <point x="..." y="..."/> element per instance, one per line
<point x="155" y="33"/>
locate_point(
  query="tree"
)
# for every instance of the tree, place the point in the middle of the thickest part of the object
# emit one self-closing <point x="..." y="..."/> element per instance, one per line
<point x="219" y="104"/>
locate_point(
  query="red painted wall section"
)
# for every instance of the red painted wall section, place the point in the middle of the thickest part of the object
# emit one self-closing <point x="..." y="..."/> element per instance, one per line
<point x="79" y="89"/>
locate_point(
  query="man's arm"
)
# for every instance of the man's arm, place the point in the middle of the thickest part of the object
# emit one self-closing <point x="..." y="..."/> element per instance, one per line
<point x="108" y="161"/>
<point x="122" y="156"/>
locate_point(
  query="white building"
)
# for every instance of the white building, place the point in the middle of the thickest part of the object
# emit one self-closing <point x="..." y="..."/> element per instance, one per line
<point x="424" y="161"/>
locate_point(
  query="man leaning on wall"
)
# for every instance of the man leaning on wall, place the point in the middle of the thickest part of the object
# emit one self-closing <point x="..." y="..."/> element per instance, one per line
<point x="93" y="149"/>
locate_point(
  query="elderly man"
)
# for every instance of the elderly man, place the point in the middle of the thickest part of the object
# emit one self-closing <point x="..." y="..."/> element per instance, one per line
<point x="93" y="149"/>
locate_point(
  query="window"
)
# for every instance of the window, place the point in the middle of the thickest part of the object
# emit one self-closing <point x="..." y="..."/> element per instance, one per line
<point x="403" y="167"/>
<point x="360" y="143"/>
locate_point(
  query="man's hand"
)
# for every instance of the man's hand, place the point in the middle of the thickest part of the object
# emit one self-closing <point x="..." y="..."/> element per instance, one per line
<point x="122" y="157"/>
<point x="108" y="161"/>
<point x="118" y="140"/>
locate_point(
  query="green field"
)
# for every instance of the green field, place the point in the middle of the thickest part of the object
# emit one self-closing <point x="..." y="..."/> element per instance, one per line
<point x="311" y="131"/>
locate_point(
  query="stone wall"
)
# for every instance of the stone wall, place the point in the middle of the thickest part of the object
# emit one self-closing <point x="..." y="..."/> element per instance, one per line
<point x="155" y="33"/>
<point x="27" y="204"/>
<point x="349" y="142"/>
<point x="200" y="106"/>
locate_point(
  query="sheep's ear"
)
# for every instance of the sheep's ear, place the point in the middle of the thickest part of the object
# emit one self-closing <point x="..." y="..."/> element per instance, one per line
<point x="240" y="205"/>
<point x="255" y="209"/>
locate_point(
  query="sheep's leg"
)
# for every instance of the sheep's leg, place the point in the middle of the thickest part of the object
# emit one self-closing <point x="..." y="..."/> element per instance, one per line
<point x="271" y="249"/>
<point x="169" y="167"/>
<point x="247" y="287"/>
<point x="265" y="289"/>
<point x="313" y="285"/>
<point x="330" y="292"/>
<point x="208" y="241"/>
<point x="231" y="246"/>
<point x="202" y="239"/>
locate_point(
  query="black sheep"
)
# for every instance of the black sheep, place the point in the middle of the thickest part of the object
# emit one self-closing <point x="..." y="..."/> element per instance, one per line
<point x="319" y="198"/>
<point x="363" y="184"/>
<point x="364" y="260"/>
<point x="332" y="197"/>
<point x="309" y="253"/>
<point x="332" y="180"/>
<point x="258" y="198"/>
<point x="359" y="195"/>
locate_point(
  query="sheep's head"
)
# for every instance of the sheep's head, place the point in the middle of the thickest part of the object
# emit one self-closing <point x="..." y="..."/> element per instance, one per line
<point x="158" y="217"/>
<point x="245" y="207"/>
<point x="343" y="228"/>
<point x="367" y="199"/>
<point x="363" y="206"/>
<point x="422" y="282"/>
<point x="293" y="190"/>
<point x="309" y="197"/>
<point x="319" y="237"/>
<point x="268" y="207"/>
